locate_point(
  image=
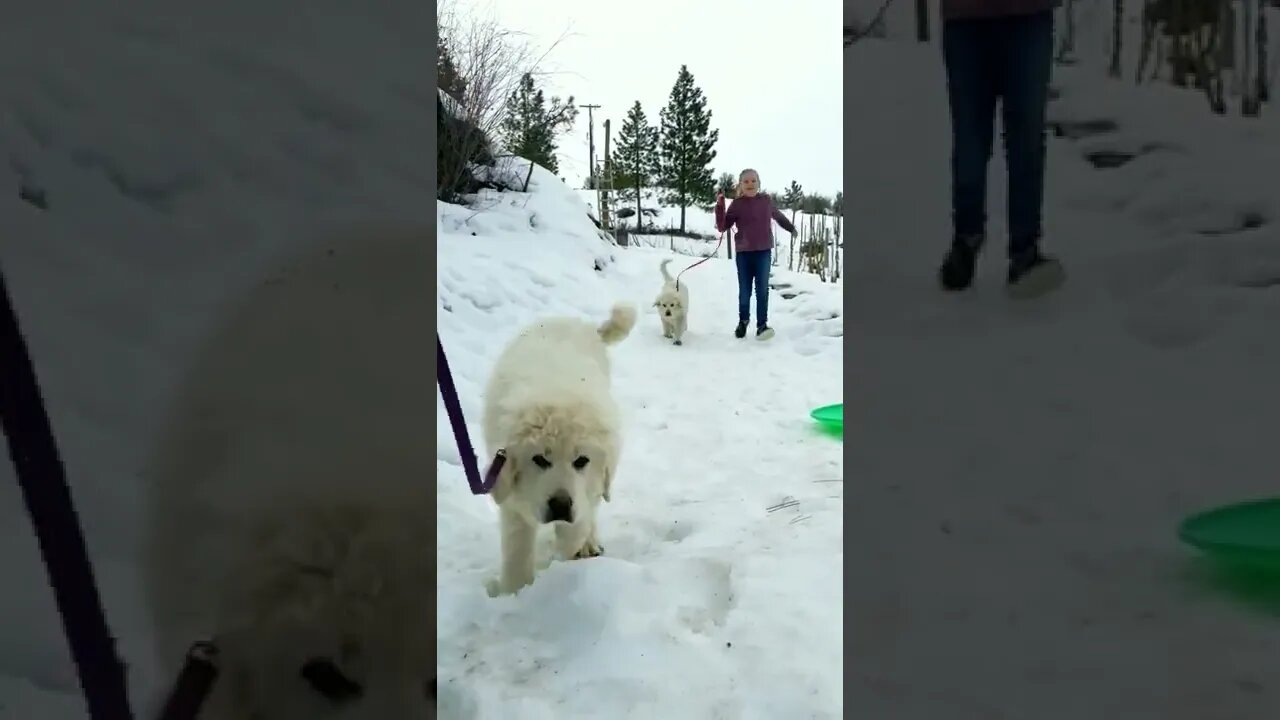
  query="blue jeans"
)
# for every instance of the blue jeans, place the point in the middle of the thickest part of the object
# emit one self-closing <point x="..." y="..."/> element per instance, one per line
<point x="753" y="266"/>
<point x="1007" y="59"/>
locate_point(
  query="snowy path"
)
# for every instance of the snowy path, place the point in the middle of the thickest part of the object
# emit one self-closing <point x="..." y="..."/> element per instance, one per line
<point x="706" y="604"/>
<point x="1020" y="470"/>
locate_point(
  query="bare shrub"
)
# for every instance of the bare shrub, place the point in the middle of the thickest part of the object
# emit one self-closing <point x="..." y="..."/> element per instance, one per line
<point x="490" y="62"/>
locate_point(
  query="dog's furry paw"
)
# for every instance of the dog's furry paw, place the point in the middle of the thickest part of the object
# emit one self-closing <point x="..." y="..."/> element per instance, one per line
<point x="496" y="588"/>
<point x="678" y="342"/>
<point x="589" y="550"/>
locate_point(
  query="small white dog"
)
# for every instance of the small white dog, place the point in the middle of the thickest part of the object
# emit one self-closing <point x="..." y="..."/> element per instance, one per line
<point x="549" y="409"/>
<point x="291" y="507"/>
<point x="673" y="306"/>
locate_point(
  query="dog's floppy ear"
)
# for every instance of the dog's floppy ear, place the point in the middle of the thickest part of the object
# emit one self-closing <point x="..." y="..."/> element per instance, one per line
<point x="506" y="479"/>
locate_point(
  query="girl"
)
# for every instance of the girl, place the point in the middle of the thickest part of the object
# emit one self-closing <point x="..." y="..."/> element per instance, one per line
<point x="998" y="50"/>
<point x="752" y="212"/>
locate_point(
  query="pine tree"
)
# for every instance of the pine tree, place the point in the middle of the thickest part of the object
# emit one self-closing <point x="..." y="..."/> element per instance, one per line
<point x="793" y="197"/>
<point x="837" y="205"/>
<point x="688" y="146"/>
<point x="531" y="123"/>
<point x="816" y="204"/>
<point x="725" y="183"/>
<point x="636" y="156"/>
<point x="448" y="78"/>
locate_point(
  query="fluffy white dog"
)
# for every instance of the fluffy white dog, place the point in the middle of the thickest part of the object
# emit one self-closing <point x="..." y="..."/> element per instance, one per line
<point x="291" y="506"/>
<point x="549" y="408"/>
<point x="673" y="305"/>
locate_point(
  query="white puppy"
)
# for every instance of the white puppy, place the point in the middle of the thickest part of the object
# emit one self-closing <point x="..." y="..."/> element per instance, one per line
<point x="291" y="507"/>
<point x="549" y="408"/>
<point x="673" y="306"/>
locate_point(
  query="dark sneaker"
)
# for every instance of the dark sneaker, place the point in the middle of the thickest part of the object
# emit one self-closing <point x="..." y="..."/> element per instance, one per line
<point x="957" y="269"/>
<point x="741" y="331"/>
<point x="1033" y="274"/>
<point x="764" y="332"/>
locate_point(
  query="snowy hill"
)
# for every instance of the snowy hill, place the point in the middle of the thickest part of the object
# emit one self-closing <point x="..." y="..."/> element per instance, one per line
<point x="702" y="587"/>
<point x="1022" y="469"/>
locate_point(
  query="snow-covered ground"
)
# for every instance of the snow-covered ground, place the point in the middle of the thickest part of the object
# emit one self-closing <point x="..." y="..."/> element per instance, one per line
<point x="179" y="147"/>
<point x="1020" y="469"/>
<point x="720" y="591"/>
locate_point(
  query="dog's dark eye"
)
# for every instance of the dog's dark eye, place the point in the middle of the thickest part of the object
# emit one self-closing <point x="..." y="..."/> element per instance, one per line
<point x="541" y="461"/>
<point x="581" y="462"/>
<point x="326" y="679"/>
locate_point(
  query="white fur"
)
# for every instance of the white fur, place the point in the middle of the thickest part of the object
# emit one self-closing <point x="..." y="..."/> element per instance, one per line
<point x="291" y="507"/>
<point x="547" y="405"/>
<point x="673" y="306"/>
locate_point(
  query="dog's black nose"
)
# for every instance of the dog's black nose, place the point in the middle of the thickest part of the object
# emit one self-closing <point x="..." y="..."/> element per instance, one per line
<point x="668" y="313"/>
<point x="560" y="508"/>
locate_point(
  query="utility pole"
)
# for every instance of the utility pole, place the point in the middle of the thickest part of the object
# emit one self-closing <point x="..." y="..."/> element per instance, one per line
<point x="606" y="182"/>
<point x="591" y="143"/>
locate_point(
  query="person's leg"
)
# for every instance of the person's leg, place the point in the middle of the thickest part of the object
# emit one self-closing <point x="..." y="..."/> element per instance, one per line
<point x="1027" y="54"/>
<point x="763" y="265"/>
<point x="971" y="92"/>
<point x="1026" y="63"/>
<point x="744" y="292"/>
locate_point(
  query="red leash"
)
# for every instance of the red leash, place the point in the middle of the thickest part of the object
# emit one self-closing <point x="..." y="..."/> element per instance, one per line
<point x="715" y="252"/>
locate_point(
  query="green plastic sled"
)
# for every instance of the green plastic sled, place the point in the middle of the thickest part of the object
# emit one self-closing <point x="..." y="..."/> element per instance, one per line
<point x="1243" y="535"/>
<point x="830" y="416"/>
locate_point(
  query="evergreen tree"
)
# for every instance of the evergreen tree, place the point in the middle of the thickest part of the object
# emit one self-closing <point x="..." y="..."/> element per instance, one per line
<point x="448" y="77"/>
<point x="531" y="123"/>
<point x="816" y="204"/>
<point x="792" y="198"/>
<point x="688" y="146"/>
<point x="636" y="156"/>
<point x="725" y="183"/>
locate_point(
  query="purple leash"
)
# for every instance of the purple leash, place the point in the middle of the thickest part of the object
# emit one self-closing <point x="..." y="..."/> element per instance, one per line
<point x="43" y="481"/>
<point x="42" y="478"/>
<point x="470" y="465"/>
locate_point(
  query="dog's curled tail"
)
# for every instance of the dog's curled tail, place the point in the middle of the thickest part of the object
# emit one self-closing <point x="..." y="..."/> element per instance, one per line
<point x="621" y="319"/>
<point x="663" y="267"/>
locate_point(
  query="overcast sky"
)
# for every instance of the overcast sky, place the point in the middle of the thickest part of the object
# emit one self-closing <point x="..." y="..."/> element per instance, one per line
<point x="771" y="73"/>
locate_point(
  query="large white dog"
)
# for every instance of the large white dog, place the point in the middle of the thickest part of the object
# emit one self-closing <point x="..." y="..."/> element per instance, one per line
<point x="291" y="512"/>
<point x="549" y="408"/>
